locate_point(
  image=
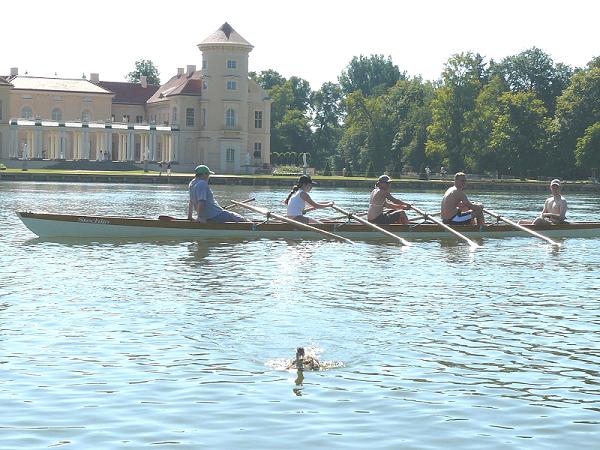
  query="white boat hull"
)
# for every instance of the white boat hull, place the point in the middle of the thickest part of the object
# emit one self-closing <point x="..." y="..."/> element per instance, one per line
<point x="81" y="226"/>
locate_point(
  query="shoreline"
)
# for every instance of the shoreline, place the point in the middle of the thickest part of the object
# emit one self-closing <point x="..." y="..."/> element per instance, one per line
<point x="287" y="181"/>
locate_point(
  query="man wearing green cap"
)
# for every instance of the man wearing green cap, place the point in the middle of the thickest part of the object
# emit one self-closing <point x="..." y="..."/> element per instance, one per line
<point x="203" y="202"/>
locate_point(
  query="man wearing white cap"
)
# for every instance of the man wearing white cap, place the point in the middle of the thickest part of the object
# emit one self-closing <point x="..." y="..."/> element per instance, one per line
<point x="555" y="207"/>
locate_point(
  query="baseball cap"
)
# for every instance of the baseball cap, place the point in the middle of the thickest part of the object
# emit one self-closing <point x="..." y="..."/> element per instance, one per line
<point x="203" y="170"/>
<point x="306" y="179"/>
<point x="555" y="182"/>
<point x="384" y="179"/>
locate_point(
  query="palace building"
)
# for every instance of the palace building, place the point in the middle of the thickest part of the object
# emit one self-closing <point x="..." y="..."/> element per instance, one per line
<point x="214" y="115"/>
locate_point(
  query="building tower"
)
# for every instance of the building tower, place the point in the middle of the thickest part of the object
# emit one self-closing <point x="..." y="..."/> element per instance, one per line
<point x="224" y="104"/>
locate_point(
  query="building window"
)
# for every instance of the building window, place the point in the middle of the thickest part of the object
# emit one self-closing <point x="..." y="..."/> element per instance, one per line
<point x="204" y="64"/>
<point x="258" y="119"/>
<point x="139" y="119"/>
<point x="112" y="117"/>
<point x="230" y="155"/>
<point x="231" y="85"/>
<point x="230" y="118"/>
<point x="56" y="114"/>
<point x="174" y="118"/>
<point x="257" y="150"/>
<point x="189" y="117"/>
<point x="125" y="117"/>
<point x="27" y="112"/>
<point x="231" y="64"/>
<point x="203" y="117"/>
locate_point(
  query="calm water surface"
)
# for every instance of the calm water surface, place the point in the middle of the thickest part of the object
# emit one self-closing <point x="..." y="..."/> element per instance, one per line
<point x="118" y="344"/>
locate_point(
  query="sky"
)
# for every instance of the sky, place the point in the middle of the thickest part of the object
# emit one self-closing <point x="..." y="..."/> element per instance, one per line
<point x="314" y="40"/>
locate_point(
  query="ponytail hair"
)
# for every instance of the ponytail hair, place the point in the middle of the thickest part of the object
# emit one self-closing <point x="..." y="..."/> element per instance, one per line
<point x="292" y="192"/>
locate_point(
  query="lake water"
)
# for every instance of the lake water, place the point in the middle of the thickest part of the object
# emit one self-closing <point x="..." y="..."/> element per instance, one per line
<point x="120" y="344"/>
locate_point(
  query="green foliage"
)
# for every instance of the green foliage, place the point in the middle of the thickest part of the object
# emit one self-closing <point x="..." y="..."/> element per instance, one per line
<point x="371" y="75"/>
<point x="370" y="173"/>
<point x="328" y="110"/>
<point x="576" y="110"/>
<point x="396" y="171"/>
<point x="144" y="67"/>
<point x="327" y="170"/>
<point x="287" y="170"/>
<point x="587" y="150"/>
<point x="534" y="70"/>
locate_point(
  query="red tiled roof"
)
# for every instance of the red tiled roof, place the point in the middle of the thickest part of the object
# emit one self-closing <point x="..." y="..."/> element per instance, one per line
<point x="129" y="93"/>
<point x="179" y="85"/>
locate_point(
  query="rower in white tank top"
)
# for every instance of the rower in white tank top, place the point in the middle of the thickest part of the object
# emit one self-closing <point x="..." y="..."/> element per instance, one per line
<point x="299" y="197"/>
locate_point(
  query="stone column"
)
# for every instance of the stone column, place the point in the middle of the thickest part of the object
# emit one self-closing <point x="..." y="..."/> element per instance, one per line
<point x="13" y="150"/>
<point x="85" y="147"/>
<point x="63" y="142"/>
<point x="130" y="145"/>
<point x="152" y="144"/>
<point x="175" y="138"/>
<point x="109" y="142"/>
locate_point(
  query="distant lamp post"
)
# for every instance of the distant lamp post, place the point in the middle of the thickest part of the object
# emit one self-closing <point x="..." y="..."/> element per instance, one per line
<point x="304" y="164"/>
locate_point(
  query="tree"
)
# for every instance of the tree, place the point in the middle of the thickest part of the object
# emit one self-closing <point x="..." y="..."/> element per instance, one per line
<point x="147" y="68"/>
<point x="462" y="80"/>
<point x="519" y="133"/>
<point x="587" y="150"/>
<point x="371" y="75"/>
<point x="267" y="79"/>
<point x="292" y="133"/>
<point x="534" y="70"/>
<point x="370" y="173"/>
<point x="327" y="116"/>
<point x="576" y="110"/>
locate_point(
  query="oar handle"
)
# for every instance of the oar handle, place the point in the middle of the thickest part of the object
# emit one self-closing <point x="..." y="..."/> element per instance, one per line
<point x="443" y="225"/>
<point x="248" y="200"/>
<point x="370" y="225"/>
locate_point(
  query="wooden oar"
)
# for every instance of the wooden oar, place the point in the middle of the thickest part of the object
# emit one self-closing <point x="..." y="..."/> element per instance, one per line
<point x="521" y="227"/>
<point x="268" y="214"/>
<point x="248" y="200"/>
<point x="371" y="225"/>
<point x="443" y="225"/>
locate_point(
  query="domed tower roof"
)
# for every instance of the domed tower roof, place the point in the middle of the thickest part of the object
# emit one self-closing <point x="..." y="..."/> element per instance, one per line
<point x="225" y="36"/>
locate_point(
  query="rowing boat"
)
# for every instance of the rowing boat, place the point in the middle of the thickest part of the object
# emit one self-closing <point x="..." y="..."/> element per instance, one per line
<point x="84" y="226"/>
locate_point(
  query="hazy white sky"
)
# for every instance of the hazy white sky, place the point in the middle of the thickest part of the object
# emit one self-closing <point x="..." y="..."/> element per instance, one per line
<point x="311" y="39"/>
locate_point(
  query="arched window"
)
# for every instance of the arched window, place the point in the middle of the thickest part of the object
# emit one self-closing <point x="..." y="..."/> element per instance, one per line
<point x="230" y="118"/>
<point x="26" y="112"/>
<point x="86" y="116"/>
<point x="174" y="116"/>
<point x="56" y="114"/>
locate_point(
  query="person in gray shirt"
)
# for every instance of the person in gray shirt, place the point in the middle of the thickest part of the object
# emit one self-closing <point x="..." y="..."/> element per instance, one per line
<point x="202" y="201"/>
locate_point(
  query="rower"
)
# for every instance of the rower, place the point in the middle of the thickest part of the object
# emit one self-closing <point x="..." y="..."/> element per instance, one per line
<point x="456" y="207"/>
<point x="203" y="202"/>
<point x="298" y="198"/>
<point x="380" y="198"/>
<point x="555" y="207"/>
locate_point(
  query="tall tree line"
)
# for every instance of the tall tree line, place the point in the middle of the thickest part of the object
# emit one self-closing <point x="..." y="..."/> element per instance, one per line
<point x="524" y="115"/>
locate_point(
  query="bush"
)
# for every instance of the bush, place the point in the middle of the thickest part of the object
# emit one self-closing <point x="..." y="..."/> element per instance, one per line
<point x="396" y="170"/>
<point x="288" y="170"/>
<point x="370" y="173"/>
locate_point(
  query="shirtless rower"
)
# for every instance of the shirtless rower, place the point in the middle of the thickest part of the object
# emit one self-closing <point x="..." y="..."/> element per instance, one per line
<point x="555" y="207"/>
<point x="456" y="207"/>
